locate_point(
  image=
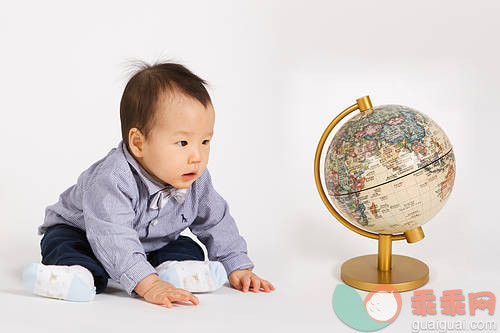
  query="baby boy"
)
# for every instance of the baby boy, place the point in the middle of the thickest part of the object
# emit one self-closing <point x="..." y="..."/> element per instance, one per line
<point x="123" y="218"/>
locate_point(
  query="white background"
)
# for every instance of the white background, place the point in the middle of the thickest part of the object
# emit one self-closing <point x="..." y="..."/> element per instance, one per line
<point x="279" y="71"/>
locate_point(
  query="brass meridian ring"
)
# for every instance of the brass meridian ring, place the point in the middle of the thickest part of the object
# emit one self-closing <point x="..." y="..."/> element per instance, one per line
<point x="319" y="185"/>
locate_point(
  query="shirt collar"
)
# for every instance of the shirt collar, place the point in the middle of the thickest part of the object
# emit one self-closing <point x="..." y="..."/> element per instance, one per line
<point x="152" y="184"/>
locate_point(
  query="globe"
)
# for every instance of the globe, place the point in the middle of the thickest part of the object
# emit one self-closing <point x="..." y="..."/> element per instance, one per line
<point x="389" y="169"/>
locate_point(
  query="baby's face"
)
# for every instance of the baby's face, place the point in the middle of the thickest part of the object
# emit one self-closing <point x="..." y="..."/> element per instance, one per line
<point x="176" y="152"/>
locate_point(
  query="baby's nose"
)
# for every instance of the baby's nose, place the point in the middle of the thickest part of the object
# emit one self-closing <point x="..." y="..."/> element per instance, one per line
<point x="195" y="157"/>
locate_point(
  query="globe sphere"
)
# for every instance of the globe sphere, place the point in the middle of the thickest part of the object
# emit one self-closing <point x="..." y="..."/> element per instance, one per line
<point x="389" y="169"/>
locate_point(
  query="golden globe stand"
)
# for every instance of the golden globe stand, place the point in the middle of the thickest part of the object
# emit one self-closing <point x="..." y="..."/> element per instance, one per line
<point x="369" y="271"/>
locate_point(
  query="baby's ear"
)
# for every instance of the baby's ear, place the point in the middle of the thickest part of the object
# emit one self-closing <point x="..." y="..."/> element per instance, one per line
<point x="136" y="141"/>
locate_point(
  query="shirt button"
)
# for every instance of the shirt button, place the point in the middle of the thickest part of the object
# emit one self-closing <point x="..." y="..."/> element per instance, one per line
<point x="155" y="222"/>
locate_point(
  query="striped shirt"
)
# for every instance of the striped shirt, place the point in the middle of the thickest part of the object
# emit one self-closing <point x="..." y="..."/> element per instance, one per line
<point x="126" y="213"/>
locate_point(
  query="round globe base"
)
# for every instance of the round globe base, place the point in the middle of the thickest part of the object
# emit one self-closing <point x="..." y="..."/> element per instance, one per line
<point x="407" y="273"/>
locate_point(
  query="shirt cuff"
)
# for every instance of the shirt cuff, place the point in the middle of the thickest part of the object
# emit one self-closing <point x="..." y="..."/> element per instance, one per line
<point x="240" y="261"/>
<point x="132" y="276"/>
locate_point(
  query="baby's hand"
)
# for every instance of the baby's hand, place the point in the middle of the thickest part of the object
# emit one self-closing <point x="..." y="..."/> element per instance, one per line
<point x="243" y="279"/>
<point x="164" y="293"/>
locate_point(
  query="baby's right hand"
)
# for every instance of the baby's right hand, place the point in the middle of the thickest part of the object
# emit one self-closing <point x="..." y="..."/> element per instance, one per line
<point x="164" y="293"/>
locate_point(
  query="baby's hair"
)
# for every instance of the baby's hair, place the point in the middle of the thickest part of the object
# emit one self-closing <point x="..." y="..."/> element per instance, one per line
<point x="145" y="88"/>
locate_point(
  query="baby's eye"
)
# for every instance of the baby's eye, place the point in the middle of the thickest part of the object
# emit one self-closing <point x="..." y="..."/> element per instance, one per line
<point x="205" y="142"/>
<point x="182" y="143"/>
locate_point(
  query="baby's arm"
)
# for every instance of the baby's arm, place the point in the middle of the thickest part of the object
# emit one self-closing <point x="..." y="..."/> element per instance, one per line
<point x="216" y="228"/>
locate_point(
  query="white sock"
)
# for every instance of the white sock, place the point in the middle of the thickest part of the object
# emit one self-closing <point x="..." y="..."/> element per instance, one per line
<point x="193" y="275"/>
<point x="71" y="283"/>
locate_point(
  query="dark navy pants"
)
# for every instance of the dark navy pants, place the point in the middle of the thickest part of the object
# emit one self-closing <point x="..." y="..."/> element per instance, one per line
<point x="66" y="245"/>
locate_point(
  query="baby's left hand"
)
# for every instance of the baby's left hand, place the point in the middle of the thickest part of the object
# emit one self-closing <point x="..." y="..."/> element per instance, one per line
<point x="242" y="279"/>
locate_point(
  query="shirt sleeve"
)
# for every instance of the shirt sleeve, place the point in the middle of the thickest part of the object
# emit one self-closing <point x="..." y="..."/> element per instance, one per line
<point x="109" y="215"/>
<point x="215" y="227"/>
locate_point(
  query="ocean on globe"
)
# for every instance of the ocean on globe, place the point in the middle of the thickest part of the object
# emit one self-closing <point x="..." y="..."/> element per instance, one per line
<point x="389" y="169"/>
